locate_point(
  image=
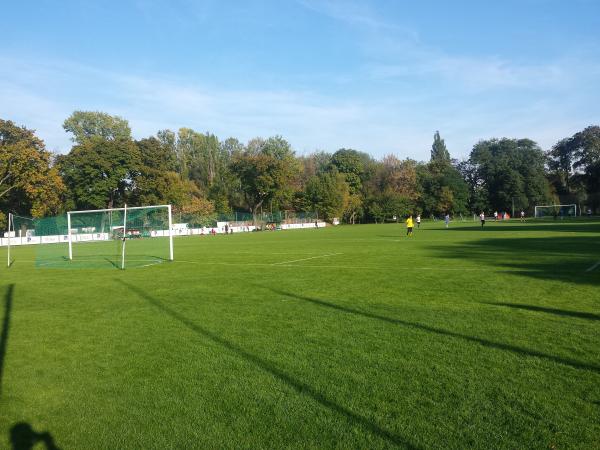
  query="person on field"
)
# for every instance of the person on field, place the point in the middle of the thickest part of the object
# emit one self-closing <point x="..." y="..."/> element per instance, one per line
<point x="447" y="219"/>
<point x="522" y="216"/>
<point x="418" y="220"/>
<point x="482" y="218"/>
<point x="409" y="226"/>
<point x="495" y="216"/>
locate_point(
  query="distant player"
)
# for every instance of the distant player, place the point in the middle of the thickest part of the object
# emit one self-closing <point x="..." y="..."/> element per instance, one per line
<point x="447" y="219"/>
<point x="495" y="216"/>
<point x="522" y="216"/>
<point x="418" y="220"/>
<point x="482" y="218"/>
<point x="409" y="226"/>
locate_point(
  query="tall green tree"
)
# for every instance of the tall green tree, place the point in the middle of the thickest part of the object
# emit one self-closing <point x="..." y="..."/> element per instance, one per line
<point x="87" y="124"/>
<point x="266" y="169"/>
<point x="155" y="180"/>
<point x="511" y="172"/>
<point x="439" y="152"/>
<point x="357" y="168"/>
<point x="354" y="165"/>
<point x="443" y="189"/>
<point x="328" y="194"/>
<point x="157" y="155"/>
<point x="574" y="167"/>
<point x="100" y="173"/>
<point x="477" y="194"/>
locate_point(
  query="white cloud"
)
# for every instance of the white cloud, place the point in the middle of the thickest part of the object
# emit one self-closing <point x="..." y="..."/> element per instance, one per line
<point x="41" y="95"/>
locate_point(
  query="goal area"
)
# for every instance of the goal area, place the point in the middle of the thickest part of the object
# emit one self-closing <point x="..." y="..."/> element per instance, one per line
<point x="555" y="211"/>
<point x="103" y="238"/>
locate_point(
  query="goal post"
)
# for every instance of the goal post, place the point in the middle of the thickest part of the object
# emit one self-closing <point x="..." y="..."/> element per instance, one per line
<point x="555" y="211"/>
<point x="120" y="225"/>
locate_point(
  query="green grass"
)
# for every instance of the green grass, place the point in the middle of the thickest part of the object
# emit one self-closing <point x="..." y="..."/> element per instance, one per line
<point x="450" y="339"/>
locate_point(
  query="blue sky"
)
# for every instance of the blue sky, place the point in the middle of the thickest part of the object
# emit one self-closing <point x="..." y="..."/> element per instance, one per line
<point x="378" y="76"/>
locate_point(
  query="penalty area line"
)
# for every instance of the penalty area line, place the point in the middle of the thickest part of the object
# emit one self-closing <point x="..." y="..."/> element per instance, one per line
<point x="333" y="266"/>
<point x="593" y="267"/>
<point x="305" y="259"/>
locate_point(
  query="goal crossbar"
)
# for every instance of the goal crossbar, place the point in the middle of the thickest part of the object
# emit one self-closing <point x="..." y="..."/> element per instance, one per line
<point x="128" y="208"/>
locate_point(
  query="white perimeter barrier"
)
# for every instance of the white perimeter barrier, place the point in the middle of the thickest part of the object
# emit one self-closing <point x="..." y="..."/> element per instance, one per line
<point x="90" y="237"/>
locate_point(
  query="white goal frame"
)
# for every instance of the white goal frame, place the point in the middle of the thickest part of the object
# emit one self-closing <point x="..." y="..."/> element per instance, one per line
<point x="124" y="209"/>
<point x="574" y="205"/>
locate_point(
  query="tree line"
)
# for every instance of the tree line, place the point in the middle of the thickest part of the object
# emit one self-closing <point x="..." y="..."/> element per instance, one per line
<point x="202" y="175"/>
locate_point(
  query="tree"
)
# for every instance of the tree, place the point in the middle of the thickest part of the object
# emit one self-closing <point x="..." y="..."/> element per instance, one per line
<point x="439" y="152"/>
<point x="157" y="155"/>
<point x="574" y="165"/>
<point x="100" y="173"/>
<point x="265" y="169"/>
<point x="353" y="165"/>
<point x="29" y="184"/>
<point x="198" y="211"/>
<point x="393" y="190"/>
<point x="398" y="176"/>
<point x="329" y="194"/>
<point x="511" y="172"/>
<point x="442" y="186"/>
<point x="200" y="157"/>
<point x="477" y="195"/>
<point x="87" y="124"/>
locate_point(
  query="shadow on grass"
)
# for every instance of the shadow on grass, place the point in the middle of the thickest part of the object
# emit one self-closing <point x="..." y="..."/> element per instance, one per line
<point x="23" y="437"/>
<point x="543" y="309"/>
<point x="440" y="331"/>
<point x="558" y="226"/>
<point x="548" y="258"/>
<point x="299" y="386"/>
<point x="8" y="298"/>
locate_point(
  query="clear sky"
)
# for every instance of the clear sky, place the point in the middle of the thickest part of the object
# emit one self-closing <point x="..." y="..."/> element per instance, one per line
<point x="378" y="76"/>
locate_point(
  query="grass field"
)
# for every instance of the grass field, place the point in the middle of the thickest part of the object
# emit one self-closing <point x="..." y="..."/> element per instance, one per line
<point x="349" y="337"/>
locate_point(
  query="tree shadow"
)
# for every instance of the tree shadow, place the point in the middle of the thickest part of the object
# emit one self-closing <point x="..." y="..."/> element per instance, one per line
<point x="8" y="299"/>
<point x="440" y="331"/>
<point x="23" y="437"/>
<point x="550" y="258"/>
<point x="558" y="226"/>
<point x="299" y="386"/>
<point x="558" y="312"/>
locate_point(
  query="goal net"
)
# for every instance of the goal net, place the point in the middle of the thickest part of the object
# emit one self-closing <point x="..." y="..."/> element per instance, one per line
<point x="121" y="237"/>
<point x="555" y="211"/>
<point x="106" y="238"/>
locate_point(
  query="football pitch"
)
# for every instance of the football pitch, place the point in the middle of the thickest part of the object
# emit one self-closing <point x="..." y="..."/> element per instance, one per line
<point x="349" y="337"/>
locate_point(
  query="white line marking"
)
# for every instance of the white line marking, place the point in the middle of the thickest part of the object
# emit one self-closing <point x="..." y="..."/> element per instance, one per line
<point x="592" y="268"/>
<point x="313" y="266"/>
<point x="305" y="259"/>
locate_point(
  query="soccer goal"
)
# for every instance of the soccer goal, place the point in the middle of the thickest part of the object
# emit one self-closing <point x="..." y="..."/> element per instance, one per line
<point x="555" y="211"/>
<point x="128" y="236"/>
<point x="21" y="231"/>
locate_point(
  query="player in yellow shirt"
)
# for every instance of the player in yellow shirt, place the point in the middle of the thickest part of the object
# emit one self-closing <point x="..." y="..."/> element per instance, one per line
<point x="409" y="226"/>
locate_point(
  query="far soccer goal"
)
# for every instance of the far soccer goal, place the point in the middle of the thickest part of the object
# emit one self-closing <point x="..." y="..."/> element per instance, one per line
<point x="124" y="237"/>
<point x="555" y="211"/>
